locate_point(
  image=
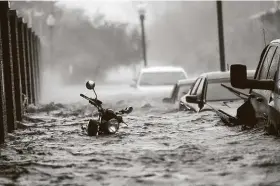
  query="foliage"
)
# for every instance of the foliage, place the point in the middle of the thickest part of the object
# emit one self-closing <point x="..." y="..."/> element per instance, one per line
<point x="89" y="46"/>
<point x="186" y="34"/>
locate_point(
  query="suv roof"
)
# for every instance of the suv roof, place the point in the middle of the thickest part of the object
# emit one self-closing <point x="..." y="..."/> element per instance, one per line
<point x="162" y="69"/>
<point x="186" y="81"/>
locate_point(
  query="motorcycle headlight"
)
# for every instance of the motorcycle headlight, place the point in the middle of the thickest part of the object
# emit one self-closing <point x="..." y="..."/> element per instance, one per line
<point x="113" y="125"/>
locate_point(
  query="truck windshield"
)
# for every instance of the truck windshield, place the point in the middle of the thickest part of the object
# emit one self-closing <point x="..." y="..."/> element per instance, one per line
<point x="160" y="78"/>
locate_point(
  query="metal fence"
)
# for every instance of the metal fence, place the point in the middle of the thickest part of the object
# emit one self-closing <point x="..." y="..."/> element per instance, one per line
<point x="19" y="68"/>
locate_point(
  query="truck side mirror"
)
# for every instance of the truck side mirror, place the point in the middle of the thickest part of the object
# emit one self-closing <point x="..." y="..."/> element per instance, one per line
<point x="238" y="79"/>
<point x="192" y="99"/>
<point x="238" y="76"/>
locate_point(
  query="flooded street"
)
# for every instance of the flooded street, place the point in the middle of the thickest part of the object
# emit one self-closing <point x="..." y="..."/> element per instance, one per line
<point x="145" y="55"/>
<point x="161" y="146"/>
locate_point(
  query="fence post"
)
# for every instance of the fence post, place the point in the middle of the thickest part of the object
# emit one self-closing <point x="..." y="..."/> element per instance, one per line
<point x="3" y="116"/>
<point x="16" y="63"/>
<point x="22" y="59"/>
<point x="36" y="77"/>
<point x="32" y="65"/>
<point x="39" y="68"/>
<point x="27" y="57"/>
<point x="8" y="65"/>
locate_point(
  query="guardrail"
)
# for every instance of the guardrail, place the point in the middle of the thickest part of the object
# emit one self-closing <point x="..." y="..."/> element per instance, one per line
<point x="19" y="68"/>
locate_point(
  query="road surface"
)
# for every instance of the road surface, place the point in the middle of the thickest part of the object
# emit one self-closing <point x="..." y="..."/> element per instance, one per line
<point x="161" y="146"/>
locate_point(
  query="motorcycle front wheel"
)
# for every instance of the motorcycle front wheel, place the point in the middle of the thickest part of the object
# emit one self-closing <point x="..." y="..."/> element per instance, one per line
<point x="92" y="127"/>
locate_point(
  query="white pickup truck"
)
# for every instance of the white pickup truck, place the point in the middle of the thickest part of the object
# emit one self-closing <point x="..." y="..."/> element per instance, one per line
<point x="159" y="80"/>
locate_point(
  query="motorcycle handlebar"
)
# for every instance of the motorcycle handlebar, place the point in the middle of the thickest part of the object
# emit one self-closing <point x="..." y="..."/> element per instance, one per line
<point x="126" y="110"/>
<point x="92" y="101"/>
<point x="98" y="102"/>
<point x="83" y="96"/>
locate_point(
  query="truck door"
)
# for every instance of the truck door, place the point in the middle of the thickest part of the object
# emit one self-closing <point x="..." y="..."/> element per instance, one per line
<point x="274" y="105"/>
<point x="261" y="98"/>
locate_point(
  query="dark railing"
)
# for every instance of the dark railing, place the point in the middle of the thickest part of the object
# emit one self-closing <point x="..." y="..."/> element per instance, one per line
<point x="19" y="68"/>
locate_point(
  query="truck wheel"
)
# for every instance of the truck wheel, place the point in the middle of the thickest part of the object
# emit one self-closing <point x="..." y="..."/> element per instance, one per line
<point x="182" y="107"/>
<point x="270" y="128"/>
<point x="93" y="127"/>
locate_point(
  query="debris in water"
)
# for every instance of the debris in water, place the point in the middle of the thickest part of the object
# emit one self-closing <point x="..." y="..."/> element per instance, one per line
<point x="147" y="105"/>
<point x="44" y="108"/>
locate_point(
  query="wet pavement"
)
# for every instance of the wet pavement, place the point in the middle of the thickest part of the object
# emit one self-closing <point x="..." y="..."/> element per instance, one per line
<point x="161" y="146"/>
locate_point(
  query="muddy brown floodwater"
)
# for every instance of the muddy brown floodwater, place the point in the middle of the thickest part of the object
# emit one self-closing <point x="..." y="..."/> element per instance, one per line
<point x="161" y="146"/>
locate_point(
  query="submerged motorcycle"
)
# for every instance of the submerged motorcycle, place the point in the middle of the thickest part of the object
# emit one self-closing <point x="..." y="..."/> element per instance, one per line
<point x="108" y="121"/>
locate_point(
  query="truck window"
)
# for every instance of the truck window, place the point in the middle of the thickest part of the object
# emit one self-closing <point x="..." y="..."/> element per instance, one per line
<point x="277" y="82"/>
<point x="195" y="86"/>
<point x="277" y="77"/>
<point x="200" y="88"/>
<point x="276" y="95"/>
<point x="262" y="74"/>
<point x="273" y="65"/>
<point x="268" y="70"/>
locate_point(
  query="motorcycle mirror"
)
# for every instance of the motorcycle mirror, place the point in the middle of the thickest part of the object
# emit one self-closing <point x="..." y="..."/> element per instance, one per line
<point x="129" y="110"/>
<point x="90" y="85"/>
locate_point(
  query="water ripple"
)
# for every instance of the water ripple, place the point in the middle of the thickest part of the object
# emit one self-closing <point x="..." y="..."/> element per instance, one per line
<point x="161" y="146"/>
